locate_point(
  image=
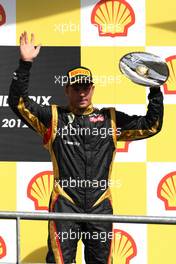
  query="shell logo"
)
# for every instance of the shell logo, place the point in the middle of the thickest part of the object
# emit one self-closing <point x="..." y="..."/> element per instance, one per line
<point x="2" y="16"/>
<point x="123" y="247"/>
<point x="167" y="190"/>
<point x="122" y="146"/>
<point x="3" y="250"/>
<point x="113" y="17"/>
<point x="170" y="85"/>
<point x="39" y="189"/>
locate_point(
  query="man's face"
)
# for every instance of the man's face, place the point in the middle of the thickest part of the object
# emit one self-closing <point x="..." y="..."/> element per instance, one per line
<point x="80" y="95"/>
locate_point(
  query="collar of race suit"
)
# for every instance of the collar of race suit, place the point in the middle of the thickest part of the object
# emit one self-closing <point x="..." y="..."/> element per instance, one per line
<point x="85" y="111"/>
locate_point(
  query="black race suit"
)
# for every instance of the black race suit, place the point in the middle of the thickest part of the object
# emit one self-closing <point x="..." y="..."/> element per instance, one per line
<point x="82" y="148"/>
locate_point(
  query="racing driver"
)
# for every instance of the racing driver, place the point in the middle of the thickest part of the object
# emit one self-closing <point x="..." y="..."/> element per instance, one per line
<point x="80" y="152"/>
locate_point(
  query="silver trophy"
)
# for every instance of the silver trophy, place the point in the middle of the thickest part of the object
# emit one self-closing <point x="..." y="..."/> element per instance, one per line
<point x="144" y="68"/>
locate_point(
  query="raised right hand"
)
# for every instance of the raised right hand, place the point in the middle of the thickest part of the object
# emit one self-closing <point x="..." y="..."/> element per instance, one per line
<point x="28" y="51"/>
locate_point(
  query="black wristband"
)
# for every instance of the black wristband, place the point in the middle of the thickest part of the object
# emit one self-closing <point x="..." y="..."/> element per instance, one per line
<point x="24" y="65"/>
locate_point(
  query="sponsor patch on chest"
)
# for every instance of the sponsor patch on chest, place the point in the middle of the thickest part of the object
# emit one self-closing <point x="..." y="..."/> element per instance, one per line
<point x="96" y="118"/>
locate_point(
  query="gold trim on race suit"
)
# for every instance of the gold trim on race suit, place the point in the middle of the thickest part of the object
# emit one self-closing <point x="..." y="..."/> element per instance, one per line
<point x="137" y="134"/>
<point x="56" y="188"/>
<point x="54" y="123"/>
<point x="55" y="246"/>
<point x="107" y="193"/>
<point x="53" y="234"/>
<point x="113" y="125"/>
<point x="30" y="118"/>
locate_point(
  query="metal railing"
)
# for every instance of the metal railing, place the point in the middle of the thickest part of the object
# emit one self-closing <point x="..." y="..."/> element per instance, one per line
<point x="137" y="219"/>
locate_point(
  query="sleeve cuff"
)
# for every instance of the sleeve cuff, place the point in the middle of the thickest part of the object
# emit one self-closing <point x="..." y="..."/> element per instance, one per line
<point x="154" y="90"/>
<point x="24" y="65"/>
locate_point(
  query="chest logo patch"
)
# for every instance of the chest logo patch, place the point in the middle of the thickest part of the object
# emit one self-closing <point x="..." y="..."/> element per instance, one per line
<point x="98" y="118"/>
